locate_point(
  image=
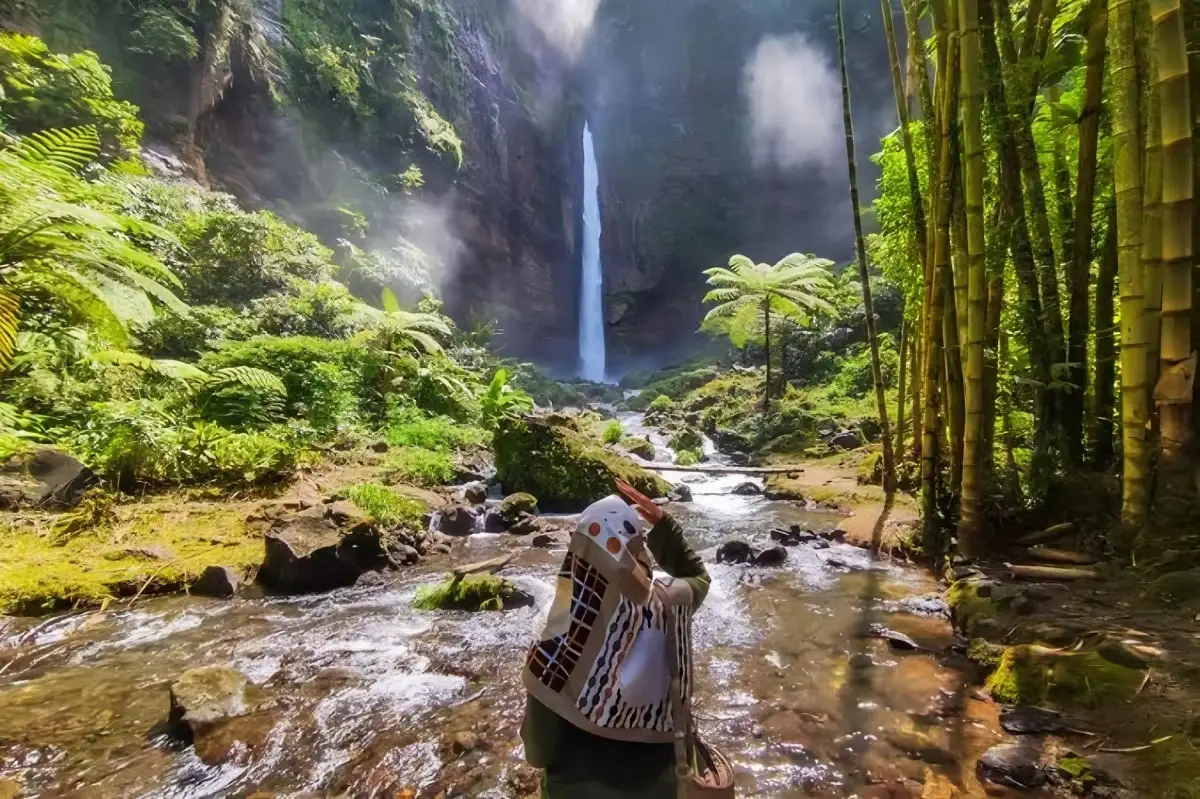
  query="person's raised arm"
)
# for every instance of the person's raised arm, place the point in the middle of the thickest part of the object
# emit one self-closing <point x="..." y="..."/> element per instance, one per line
<point x="669" y="546"/>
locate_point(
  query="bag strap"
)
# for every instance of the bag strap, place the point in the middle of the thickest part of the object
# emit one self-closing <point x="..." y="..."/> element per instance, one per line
<point x="681" y="716"/>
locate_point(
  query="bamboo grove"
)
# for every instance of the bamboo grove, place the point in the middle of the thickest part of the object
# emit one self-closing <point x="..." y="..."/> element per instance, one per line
<point x="1036" y="207"/>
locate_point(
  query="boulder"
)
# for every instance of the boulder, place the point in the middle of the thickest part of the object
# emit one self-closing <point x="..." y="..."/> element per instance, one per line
<point x="493" y="522"/>
<point x="45" y="478"/>
<point x="346" y="514"/>
<point x="206" y="696"/>
<point x="1181" y="587"/>
<point x="1028" y="719"/>
<point x="475" y="493"/>
<point x="515" y="506"/>
<point x="680" y="493"/>
<point x="302" y="496"/>
<point x="1029" y="674"/>
<point x="641" y="447"/>
<point x="687" y="438"/>
<point x="772" y="556"/>
<point x="549" y="540"/>
<point x="307" y="552"/>
<point x="747" y="489"/>
<point x="1016" y="765"/>
<point x="781" y="486"/>
<point x="734" y="552"/>
<point x="405" y="554"/>
<point x="455" y="521"/>
<point x="845" y="439"/>
<point x="564" y="469"/>
<point x="217" y="581"/>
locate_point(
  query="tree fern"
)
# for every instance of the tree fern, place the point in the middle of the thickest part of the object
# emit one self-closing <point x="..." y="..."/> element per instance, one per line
<point x="248" y="377"/>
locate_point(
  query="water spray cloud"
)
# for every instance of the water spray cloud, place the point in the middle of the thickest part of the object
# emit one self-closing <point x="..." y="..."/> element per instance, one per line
<point x="565" y="23"/>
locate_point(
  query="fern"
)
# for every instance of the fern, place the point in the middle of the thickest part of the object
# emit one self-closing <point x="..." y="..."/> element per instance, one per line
<point x="249" y="377"/>
<point x="70" y="149"/>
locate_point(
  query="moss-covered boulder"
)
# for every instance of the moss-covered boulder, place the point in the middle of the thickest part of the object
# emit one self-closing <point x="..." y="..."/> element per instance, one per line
<point x="783" y="486"/>
<point x="567" y="471"/>
<point x="1036" y="675"/>
<point x="481" y="592"/>
<point x="1181" y="587"/>
<point x="516" y="505"/>
<point x="973" y="605"/>
<point x="642" y="447"/>
<point x="687" y="438"/>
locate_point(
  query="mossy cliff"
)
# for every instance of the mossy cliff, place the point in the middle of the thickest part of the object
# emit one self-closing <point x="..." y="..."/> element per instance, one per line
<point x="563" y="468"/>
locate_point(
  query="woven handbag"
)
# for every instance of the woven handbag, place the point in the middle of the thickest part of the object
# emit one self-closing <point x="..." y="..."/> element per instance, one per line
<point x="703" y="772"/>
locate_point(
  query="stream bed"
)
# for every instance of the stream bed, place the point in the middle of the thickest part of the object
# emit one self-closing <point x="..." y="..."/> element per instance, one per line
<point x="360" y="695"/>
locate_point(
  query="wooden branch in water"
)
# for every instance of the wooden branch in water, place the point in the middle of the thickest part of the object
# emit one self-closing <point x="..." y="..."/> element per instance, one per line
<point x="716" y="469"/>
<point x="484" y="566"/>
<point x="1068" y="556"/>
<point x="1049" y="534"/>
<point x="1051" y="572"/>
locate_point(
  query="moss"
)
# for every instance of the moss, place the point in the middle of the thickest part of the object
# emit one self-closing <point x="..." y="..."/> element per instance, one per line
<point x="968" y="606"/>
<point x="564" y="469"/>
<point x="687" y="438"/>
<point x="480" y="592"/>
<point x="1034" y="675"/>
<point x="514" y="505"/>
<point x="870" y="470"/>
<point x="783" y="486"/>
<point x="985" y="653"/>
<point x="99" y="564"/>
<point x="642" y="447"/>
<point x="688" y="457"/>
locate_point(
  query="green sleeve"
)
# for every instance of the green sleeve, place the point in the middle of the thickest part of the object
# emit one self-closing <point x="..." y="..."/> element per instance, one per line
<point x="540" y="733"/>
<point x="677" y="558"/>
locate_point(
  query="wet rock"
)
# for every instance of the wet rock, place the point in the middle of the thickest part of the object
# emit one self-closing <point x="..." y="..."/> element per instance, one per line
<point x="680" y="493"/>
<point x="734" y="552"/>
<point x="747" y="489"/>
<point x="861" y="660"/>
<point x="963" y="572"/>
<point x="463" y="742"/>
<point x="919" y="746"/>
<point x="456" y="521"/>
<point x="550" y="540"/>
<point x="772" y="556"/>
<point x="307" y="553"/>
<point x="493" y="522"/>
<point x="526" y="525"/>
<point x="475" y="493"/>
<point x="739" y="459"/>
<point x="1181" y="587"/>
<point x="406" y="554"/>
<point x="1029" y="719"/>
<point x="895" y="639"/>
<point x="515" y="506"/>
<point x="203" y="697"/>
<point x="345" y="513"/>
<point x="836" y="563"/>
<point x="217" y="581"/>
<point x="641" y="447"/>
<point x="1016" y="765"/>
<point x="370" y="580"/>
<point x="833" y="535"/>
<point x="783" y="536"/>
<point x="819" y="544"/>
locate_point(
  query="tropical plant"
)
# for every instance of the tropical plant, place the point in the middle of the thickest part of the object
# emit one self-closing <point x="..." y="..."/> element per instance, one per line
<point x="83" y="258"/>
<point x="502" y="401"/>
<point x="793" y="287"/>
<point x="613" y="432"/>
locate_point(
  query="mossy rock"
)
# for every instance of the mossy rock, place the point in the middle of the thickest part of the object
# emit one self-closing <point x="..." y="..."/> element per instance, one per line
<point x="565" y="470"/>
<point x="687" y="438"/>
<point x="970" y="605"/>
<point x="484" y="592"/>
<point x="1181" y="588"/>
<point x="514" y="505"/>
<point x="1029" y="674"/>
<point x="642" y="447"/>
<point x="985" y="653"/>
<point x="781" y="486"/>
<point x="870" y="471"/>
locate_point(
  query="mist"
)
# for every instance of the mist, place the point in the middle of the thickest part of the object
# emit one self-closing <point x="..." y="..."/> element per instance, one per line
<point x="565" y="23"/>
<point x="793" y="95"/>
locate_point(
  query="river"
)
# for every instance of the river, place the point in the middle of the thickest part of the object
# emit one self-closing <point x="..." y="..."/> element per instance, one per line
<point x="360" y="695"/>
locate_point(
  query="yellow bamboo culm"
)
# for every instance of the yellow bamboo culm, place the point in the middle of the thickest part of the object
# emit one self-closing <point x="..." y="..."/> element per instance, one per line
<point x="1127" y="187"/>
<point x="970" y="529"/>
<point x="1173" y="393"/>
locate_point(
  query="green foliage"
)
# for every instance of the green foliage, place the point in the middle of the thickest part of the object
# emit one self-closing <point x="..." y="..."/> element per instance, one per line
<point x="794" y="286"/>
<point x="476" y="592"/>
<point x="613" y="432"/>
<point x="160" y="32"/>
<point x="41" y="90"/>
<point x="502" y="402"/>
<point x="686" y="438"/>
<point x="513" y="506"/>
<point x="564" y="469"/>
<point x="385" y="506"/>
<point x="688" y="457"/>
<point x="12" y="444"/>
<point x="854" y="377"/>
<point x="408" y="426"/>
<point x="420" y="467"/>
<point x="439" y="134"/>
<point x="324" y="310"/>
<point x="661" y="403"/>
<point x="77" y="257"/>
<point x="545" y="390"/>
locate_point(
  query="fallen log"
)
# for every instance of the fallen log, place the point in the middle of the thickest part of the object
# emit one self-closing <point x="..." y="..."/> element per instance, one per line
<point x="1051" y="572"/>
<point x="1068" y="556"/>
<point x="1049" y="534"/>
<point x="490" y="566"/>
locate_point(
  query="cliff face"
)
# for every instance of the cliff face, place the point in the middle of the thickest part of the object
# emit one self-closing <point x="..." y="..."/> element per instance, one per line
<point x="718" y="130"/>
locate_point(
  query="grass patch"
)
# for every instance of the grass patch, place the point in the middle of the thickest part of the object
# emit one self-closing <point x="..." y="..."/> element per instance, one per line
<point x="412" y="428"/>
<point x="421" y="467"/>
<point x="101" y="563"/>
<point x="480" y="592"/>
<point x="385" y="506"/>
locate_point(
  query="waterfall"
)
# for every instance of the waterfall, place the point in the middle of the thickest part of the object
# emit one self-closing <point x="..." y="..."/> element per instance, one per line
<point x="591" y="302"/>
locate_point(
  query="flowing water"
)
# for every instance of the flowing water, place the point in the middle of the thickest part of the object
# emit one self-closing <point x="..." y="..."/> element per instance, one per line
<point x="591" y="303"/>
<point x="358" y="694"/>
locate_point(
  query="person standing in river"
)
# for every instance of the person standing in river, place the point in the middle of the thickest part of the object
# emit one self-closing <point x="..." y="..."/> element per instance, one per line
<point x="598" y="718"/>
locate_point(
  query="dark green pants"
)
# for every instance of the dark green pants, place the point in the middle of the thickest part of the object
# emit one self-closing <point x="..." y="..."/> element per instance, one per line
<point x="554" y="787"/>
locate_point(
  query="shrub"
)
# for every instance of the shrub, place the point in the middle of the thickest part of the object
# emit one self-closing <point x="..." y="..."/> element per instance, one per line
<point x="420" y="467"/>
<point x="502" y="401"/>
<point x="411" y="427"/>
<point x="687" y="457"/>
<point x="661" y="403"/>
<point x="613" y="433"/>
<point x="170" y="335"/>
<point x="385" y="506"/>
<point x="41" y="90"/>
<point x="324" y="310"/>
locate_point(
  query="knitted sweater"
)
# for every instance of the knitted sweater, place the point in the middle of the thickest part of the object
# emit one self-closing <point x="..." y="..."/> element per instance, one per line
<point x="579" y="764"/>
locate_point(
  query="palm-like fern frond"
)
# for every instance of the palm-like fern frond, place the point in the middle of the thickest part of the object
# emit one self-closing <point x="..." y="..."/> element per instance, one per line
<point x="10" y="307"/>
<point x="68" y="149"/>
<point x="249" y="377"/>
